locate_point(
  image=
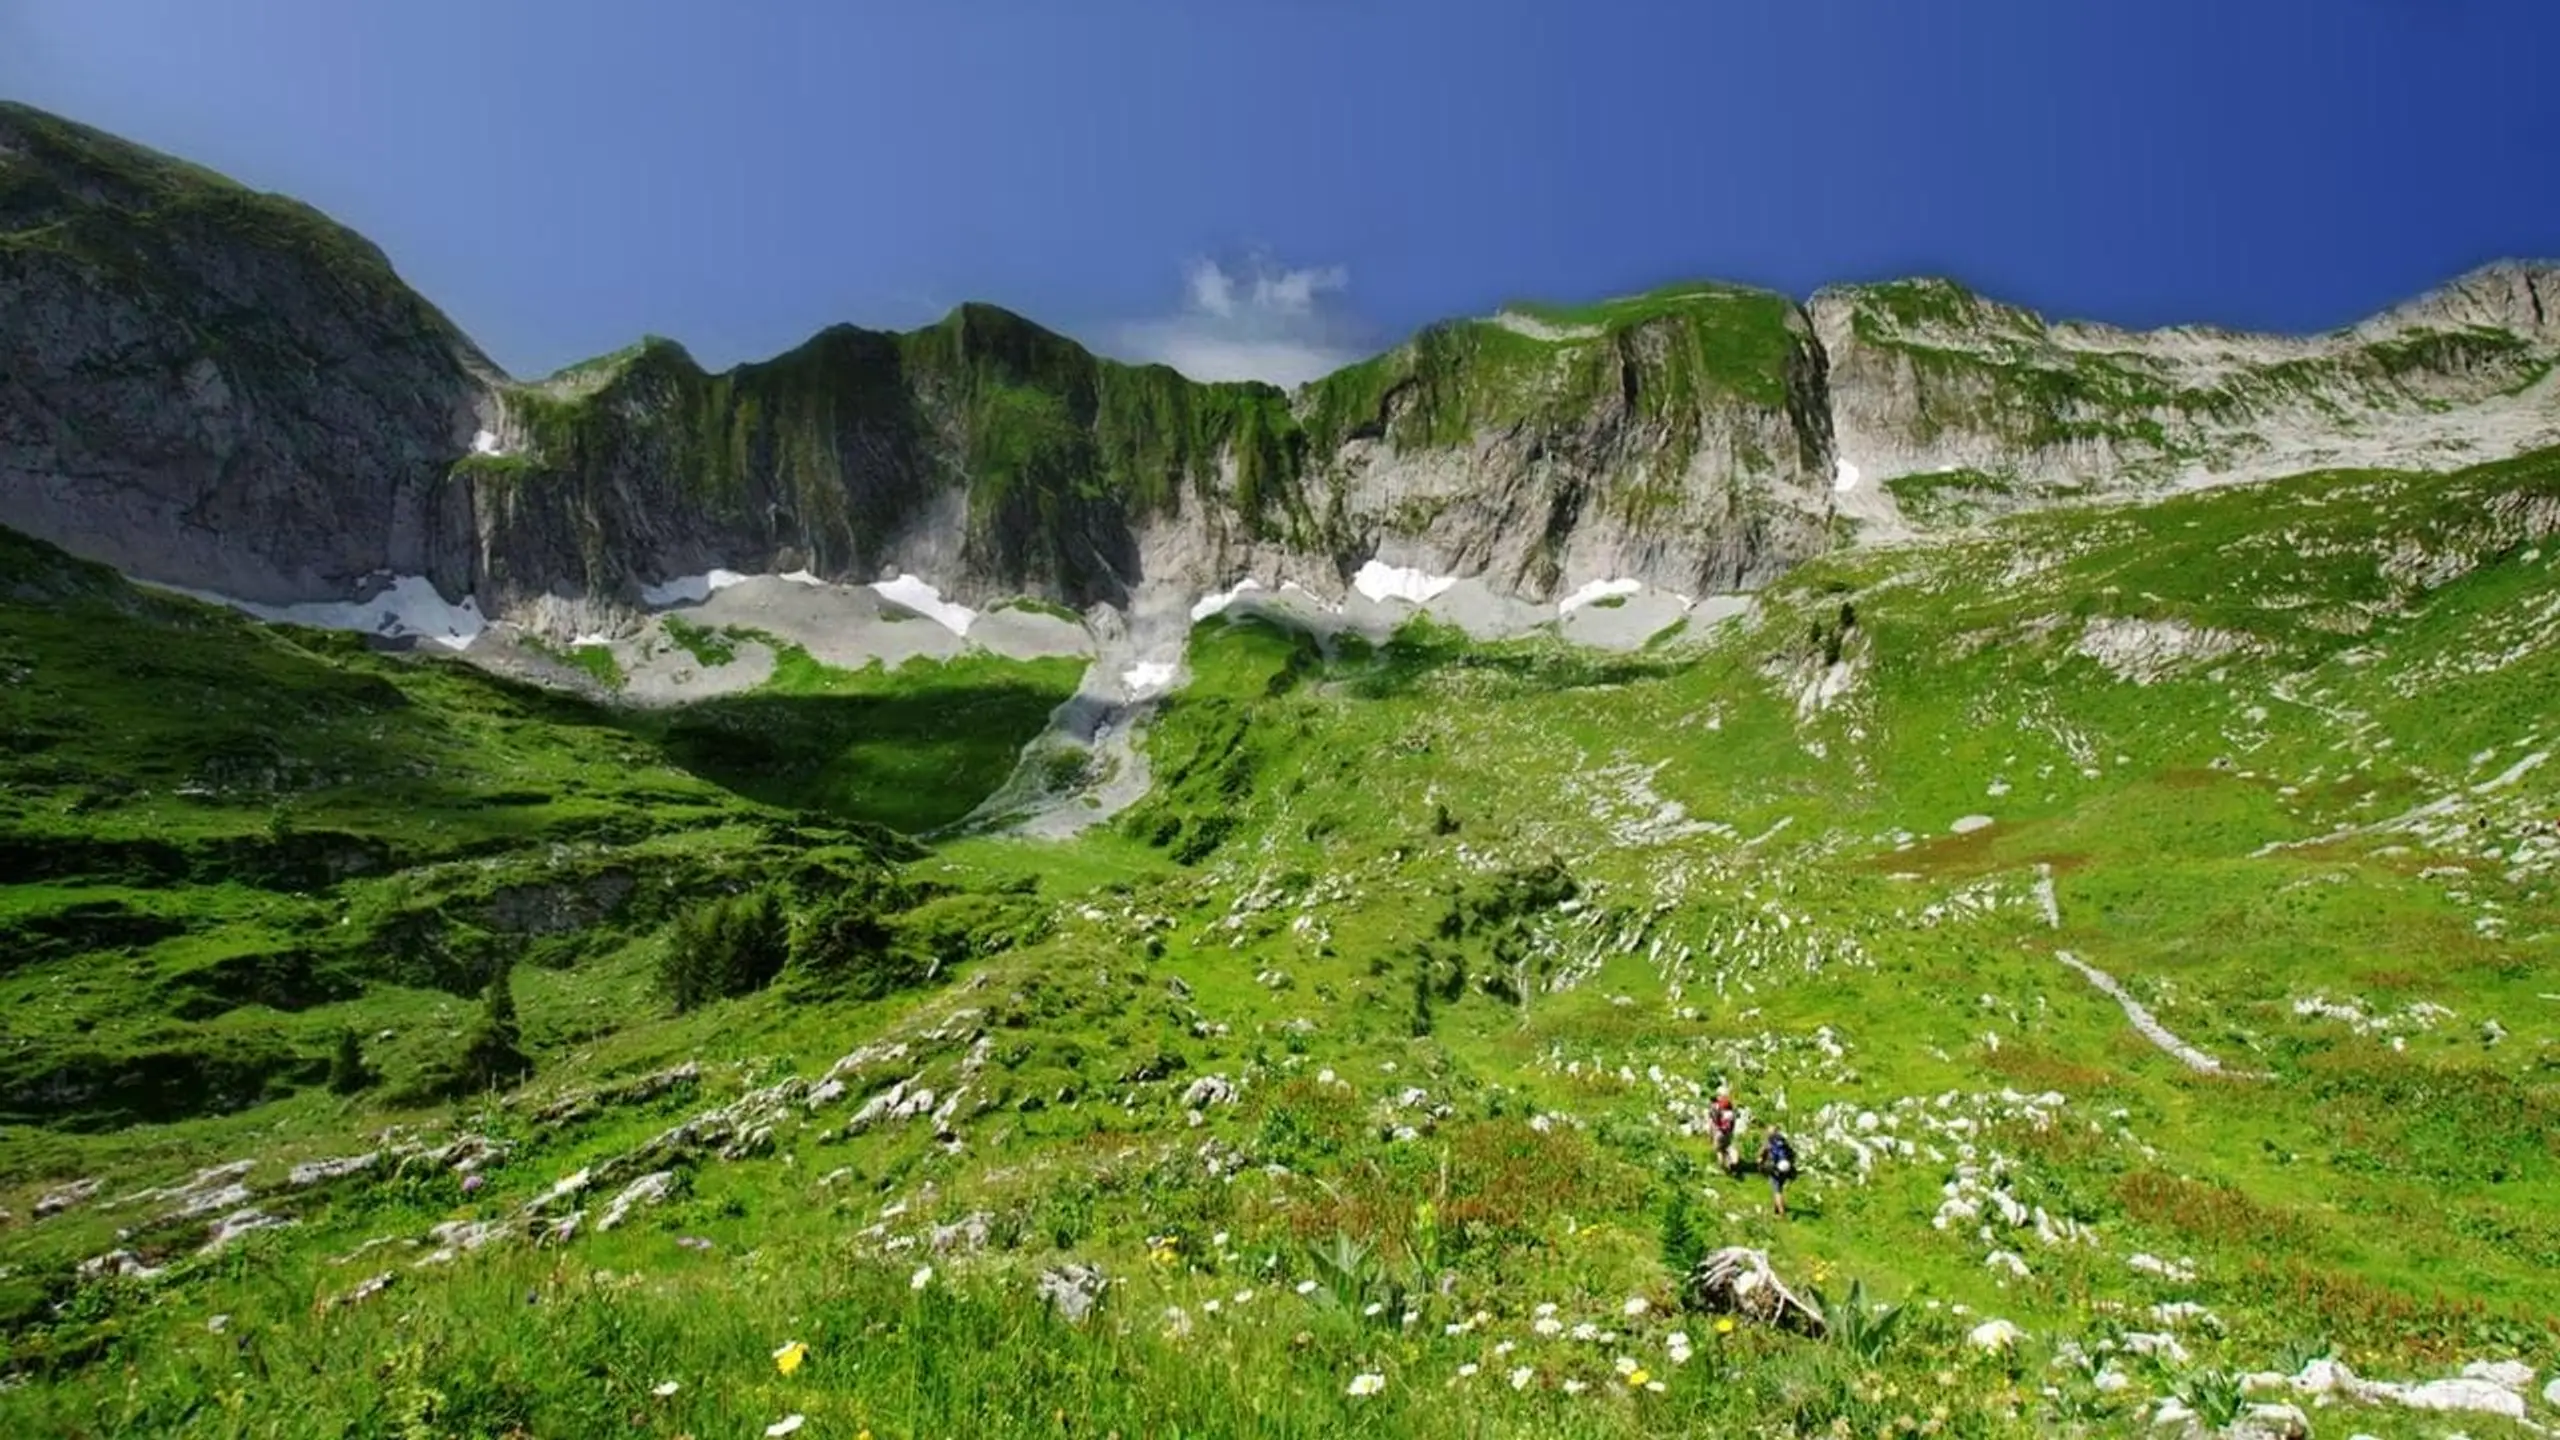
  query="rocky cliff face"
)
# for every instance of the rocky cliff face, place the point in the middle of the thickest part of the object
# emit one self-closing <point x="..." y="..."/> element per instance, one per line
<point x="1952" y="404"/>
<point x="213" y="388"/>
<point x="207" y="386"/>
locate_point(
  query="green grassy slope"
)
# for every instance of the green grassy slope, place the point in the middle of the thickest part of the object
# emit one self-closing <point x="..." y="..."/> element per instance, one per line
<point x="229" y="842"/>
<point x="1386" y="1018"/>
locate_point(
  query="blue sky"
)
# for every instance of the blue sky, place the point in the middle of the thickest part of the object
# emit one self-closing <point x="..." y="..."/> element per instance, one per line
<point x="1269" y="186"/>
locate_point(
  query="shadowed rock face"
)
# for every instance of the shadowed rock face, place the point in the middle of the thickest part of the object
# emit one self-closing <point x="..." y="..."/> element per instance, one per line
<point x="208" y="387"/>
<point x="211" y="387"/>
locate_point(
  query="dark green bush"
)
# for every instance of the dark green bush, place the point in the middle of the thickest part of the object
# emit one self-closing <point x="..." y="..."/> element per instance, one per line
<point x="735" y="945"/>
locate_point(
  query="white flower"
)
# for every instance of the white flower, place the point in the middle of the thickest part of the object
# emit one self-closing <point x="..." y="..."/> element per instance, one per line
<point x="1521" y="1377"/>
<point x="665" y="1388"/>
<point x="1373" y="1309"/>
<point x="1219" y="1239"/>
<point x="1306" y="1287"/>
<point x="1468" y="1370"/>
<point x="1574" y="1387"/>
<point x="784" y="1426"/>
<point x="1208" y="1307"/>
<point x="1586" y="1331"/>
<point x="1543" y="1311"/>
<point x="1369" y="1384"/>
<point x="1625" y="1365"/>
<point x="920" y="1279"/>
<point x="1548" y="1325"/>
<point x="1412" y="1315"/>
<point x="1505" y="1348"/>
<point x="1677" y="1339"/>
<point x="1636" y="1306"/>
<point x="1244" y="1297"/>
<point x="1453" y="1328"/>
<point x="1655" y="1386"/>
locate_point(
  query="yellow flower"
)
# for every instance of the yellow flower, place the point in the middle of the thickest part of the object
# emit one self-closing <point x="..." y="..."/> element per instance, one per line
<point x="1636" y="1379"/>
<point x="1724" y="1326"/>
<point x="788" y="1358"/>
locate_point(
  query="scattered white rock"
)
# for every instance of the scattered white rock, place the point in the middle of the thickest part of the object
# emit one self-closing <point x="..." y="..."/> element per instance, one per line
<point x="1994" y="1335"/>
<point x="238" y="1223"/>
<point x="649" y="1189"/>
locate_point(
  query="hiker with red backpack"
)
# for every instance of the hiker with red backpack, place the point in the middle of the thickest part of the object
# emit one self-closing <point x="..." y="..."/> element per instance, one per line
<point x="1723" y="1119"/>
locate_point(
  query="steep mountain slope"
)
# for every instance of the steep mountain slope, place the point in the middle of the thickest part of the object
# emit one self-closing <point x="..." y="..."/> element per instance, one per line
<point x="211" y="387"/>
<point x="2141" y="917"/>
<point x="223" y="391"/>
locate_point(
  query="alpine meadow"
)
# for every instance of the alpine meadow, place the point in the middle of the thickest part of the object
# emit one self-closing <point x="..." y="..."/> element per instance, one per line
<point x="944" y="885"/>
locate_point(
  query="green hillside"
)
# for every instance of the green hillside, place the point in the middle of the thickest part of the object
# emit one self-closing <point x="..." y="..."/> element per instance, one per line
<point x="1383" y="1024"/>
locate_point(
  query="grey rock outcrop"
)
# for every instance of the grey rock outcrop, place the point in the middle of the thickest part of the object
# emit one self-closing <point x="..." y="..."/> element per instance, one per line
<point x="210" y="387"/>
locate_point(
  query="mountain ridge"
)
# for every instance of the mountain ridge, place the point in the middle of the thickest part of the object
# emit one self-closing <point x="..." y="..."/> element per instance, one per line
<point x="1703" y="436"/>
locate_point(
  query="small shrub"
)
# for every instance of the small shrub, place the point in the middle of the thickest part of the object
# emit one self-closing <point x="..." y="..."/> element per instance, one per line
<point x="735" y="945"/>
<point x="1682" y="1246"/>
<point x="348" y="1073"/>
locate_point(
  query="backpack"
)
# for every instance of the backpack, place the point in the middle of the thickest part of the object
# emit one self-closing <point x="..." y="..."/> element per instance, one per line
<point x="1782" y="1156"/>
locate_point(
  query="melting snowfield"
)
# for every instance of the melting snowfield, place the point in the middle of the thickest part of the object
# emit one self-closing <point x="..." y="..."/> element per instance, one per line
<point x="408" y="607"/>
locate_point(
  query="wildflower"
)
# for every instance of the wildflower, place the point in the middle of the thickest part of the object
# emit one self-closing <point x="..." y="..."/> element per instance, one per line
<point x="1639" y="1378"/>
<point x="1219" y="1239"/>
<point x="1373" y="1309"/>
<point x="1411" y="1316"/>
<point x="1586" y="1331"/>
<point x="788" y="1358"/>
<point x="471" y="1183"/>
<point x="1306" y="1287"/>
<point x="1521" y="1377"/>
<point x="1208" y="1307"/>
<point x="920" y="1279"/>
<point x="1244" y="1297"/>
<point x="1625" y="1365"/>
<point x="1676" y="1340"/>
<point x="1468" y="1370"/>
<point x="1724" y="1325"/>
<point x="1368" y="1384"/>
<point x="1177" y="1322"/>
<point x="784" y="1426"/>
<point x="1636" y="1306"/>
<point x="1548" y="1325"/>
<point x="665" y="1388"/>
<point x="1654" y="1387"/>
<point x="1505" y="1348"/>
<point x="1454" y="1328"/>
<point x="1543" y="1311"/>
<point x="1574" y="1387"/>
<point x="1481" y="1317"/>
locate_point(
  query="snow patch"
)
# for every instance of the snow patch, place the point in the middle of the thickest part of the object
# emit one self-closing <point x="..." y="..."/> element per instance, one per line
<point x="688" y="589"/>
<point x="1394" y="582"/>
<point x="1596" y="590"/>
<point x="1147" y="677"/>
<point x="486" y="443"/>
<point x="921" y="597"/>
<point x="408" y="608"/>
<point x="1213" y="604"/>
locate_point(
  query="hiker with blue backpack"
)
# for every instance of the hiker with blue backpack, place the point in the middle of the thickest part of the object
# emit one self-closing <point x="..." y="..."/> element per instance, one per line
<point x="1778" y="1162"/>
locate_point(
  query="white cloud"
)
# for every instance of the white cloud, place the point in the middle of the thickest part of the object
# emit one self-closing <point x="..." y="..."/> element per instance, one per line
<point x="1212" y="292"/>
<point x="1254" y="321"/>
